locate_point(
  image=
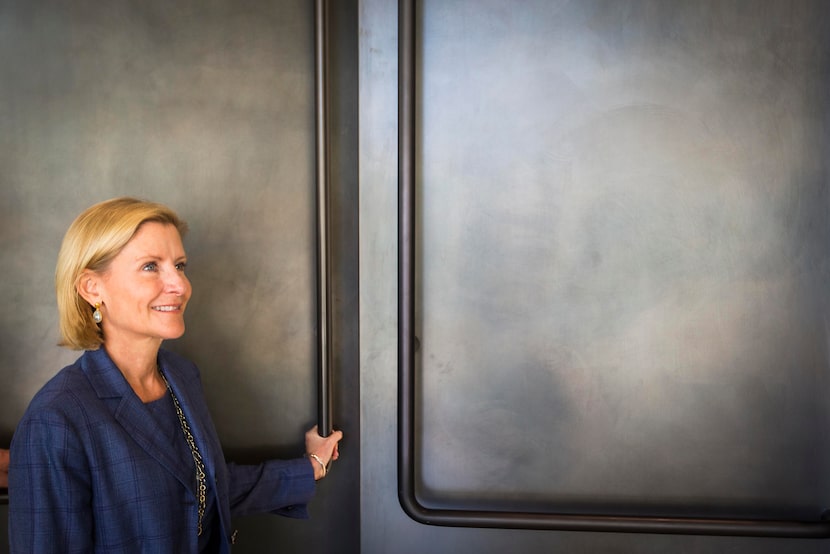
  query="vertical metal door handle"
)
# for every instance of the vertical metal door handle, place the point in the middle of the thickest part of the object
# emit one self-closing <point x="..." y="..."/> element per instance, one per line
<point x="324" y="349"/>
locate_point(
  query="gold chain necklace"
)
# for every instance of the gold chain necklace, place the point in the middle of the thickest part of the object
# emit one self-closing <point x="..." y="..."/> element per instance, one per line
<point x="194" y="450"/>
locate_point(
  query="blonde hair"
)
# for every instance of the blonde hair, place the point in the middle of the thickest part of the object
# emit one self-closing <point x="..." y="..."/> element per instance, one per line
<point x="91" y="242"/>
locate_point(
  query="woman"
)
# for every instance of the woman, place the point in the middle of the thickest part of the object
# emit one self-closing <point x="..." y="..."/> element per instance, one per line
<point x="117" y="452"/>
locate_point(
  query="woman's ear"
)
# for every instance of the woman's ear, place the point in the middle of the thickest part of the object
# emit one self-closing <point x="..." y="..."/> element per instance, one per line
<point x="87" y="287"/>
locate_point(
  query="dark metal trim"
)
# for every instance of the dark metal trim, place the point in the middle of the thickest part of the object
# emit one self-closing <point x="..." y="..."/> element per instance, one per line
<point x="406" y="261"/>
<point x="324" y="313"/>
<point x="406" y="373"/>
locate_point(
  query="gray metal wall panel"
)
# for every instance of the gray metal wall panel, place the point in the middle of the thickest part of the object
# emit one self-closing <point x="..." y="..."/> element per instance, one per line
<point x="207" y="107"/>
<point x="624" y="256"/>
<point x="624" y="251"/>
<point x="208" y="110"/>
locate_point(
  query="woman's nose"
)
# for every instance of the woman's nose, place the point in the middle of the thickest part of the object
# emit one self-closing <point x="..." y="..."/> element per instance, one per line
<point x="176" y="282"/>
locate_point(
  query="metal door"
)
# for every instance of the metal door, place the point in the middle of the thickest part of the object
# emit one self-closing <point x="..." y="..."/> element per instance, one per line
<point x="210" y="108"/>
<point x="621" y="231"/>
<point x="618" y="230"/>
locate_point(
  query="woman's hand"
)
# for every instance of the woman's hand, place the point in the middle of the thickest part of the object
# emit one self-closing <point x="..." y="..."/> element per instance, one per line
<point x="322" y="451"/>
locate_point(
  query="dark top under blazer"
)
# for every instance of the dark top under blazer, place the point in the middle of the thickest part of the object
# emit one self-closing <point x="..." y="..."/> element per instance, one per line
<point x="91" y="473"/>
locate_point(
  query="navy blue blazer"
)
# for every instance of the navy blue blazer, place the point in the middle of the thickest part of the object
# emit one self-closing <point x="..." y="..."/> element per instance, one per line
<point x="90" y="472"/>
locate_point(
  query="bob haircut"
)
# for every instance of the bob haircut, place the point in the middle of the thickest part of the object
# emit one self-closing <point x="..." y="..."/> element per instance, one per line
<point x="91" y="242"/>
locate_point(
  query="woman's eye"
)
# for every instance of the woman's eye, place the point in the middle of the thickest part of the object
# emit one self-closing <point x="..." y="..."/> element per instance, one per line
<point x="150" y="267"/>
<point x="181" y="266"/>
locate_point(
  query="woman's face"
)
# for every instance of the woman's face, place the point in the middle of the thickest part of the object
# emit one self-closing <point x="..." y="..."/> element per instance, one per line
<point x="144" y="291"/>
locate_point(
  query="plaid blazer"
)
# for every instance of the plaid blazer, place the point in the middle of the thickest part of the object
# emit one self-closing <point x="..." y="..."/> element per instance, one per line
<point x="90" y="473"/>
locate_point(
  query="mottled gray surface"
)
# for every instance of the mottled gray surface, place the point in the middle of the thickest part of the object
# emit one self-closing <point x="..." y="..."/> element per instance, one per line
<point x="625" y="255"/>
<point x="208" y="110"/>
<point x="622" y="267"/>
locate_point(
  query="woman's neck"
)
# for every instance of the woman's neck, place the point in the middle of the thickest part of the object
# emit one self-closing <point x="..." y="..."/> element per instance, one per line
<point x="138" y="364"/>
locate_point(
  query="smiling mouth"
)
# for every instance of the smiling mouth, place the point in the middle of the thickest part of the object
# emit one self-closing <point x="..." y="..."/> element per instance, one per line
<point x="166" y="308"/>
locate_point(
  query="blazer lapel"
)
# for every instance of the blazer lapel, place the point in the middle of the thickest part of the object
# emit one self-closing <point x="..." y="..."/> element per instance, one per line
<point x="187" y="386"/>
<point x="190" y="397"/>
<point x="133" y="416"/>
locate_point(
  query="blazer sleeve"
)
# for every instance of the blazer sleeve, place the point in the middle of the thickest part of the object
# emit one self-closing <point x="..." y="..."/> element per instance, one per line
<point x="282" y="487"/>
<point x="49" y="488"/>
